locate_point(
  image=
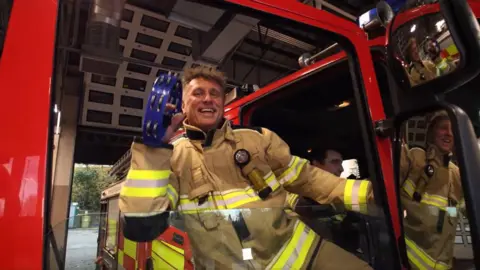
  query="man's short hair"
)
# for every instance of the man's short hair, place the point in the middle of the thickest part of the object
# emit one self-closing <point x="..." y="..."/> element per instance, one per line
<point x="210" y="74"/>
<point x="320" y="154"/>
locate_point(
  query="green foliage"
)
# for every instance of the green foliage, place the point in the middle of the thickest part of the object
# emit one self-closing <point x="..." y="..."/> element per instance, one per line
<point x="88" y="183"/>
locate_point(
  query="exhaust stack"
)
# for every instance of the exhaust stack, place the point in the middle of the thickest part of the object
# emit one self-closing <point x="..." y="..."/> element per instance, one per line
<point x="101" y="50"/>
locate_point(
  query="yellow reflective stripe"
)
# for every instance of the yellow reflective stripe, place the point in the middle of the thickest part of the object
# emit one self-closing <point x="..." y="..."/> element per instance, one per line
<point x="362" y="196"/>
<point x="167" y="256"/>
<point x="143" y="192"/>
<point x="294" y="253"/>
<point x="147" y="174"/>
<point x="146" y="183"/>
<point x="229" y="199"/>
<point x="292" y="199"/>
<point x="294" y="169"/>
<point x="130" y="248"/>
<point x="172" y="196"/>
<point x="355" y="195"/>
<point x="271" y="181"/>
<point x="120" y="257"/>
<point x="177" y="249"/>
<point x="421" y="259"/>
<point x="409" y="187"/>
<point x="435" y="200"/>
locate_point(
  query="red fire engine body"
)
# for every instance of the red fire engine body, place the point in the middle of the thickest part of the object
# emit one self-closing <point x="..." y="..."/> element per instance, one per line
<point x="24" y="219"/>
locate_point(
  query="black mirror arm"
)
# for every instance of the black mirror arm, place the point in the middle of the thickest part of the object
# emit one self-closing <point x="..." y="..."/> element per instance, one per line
<point x="469" y="159"/>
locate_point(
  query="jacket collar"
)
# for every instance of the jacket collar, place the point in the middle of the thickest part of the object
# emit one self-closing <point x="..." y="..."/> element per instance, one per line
<point x="433" y="153"/>
<point x="212" y="137"/>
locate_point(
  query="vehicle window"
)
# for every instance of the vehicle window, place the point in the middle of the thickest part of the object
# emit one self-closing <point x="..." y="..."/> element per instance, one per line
<point x="112" y="225"/>
<point x="103" y="224"/>
<point x="5" y="9"/>
<point x="320" y="112"/>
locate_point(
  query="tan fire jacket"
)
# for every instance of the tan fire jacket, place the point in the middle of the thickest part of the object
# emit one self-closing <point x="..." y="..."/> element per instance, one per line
<point x="422" y="72"/>
<point x="431" y="195"/>
<point x="199" y="178"/>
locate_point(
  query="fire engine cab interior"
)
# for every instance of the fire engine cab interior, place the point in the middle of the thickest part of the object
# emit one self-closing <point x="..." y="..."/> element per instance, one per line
<point x="292" y="78"/>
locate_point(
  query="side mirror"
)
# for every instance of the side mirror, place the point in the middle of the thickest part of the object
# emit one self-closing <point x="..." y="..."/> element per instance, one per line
<point x="436" y="157"/>
<point x="433" y="45"/>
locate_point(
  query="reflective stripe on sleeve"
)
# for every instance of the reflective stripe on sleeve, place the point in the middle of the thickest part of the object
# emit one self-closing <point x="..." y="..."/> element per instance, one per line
<point x="292" y="200"/>
<point x="294" y="253"/>
<point x="228" y="199"/>
<point x="271" y="181"/>
<point x="146" y="184"/>
<point x="355" y="195"/>
<point x="409" y="187"/>
<point x="295" y="167"/>
<point x="172" y="196"/>
<point x="435" y="200"/>
<point x="421" y="259"/>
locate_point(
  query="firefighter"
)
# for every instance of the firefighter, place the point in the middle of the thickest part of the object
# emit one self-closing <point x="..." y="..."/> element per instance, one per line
<point x="431" y="195"/>
<point x="220" y="166"/>
<point x="328" y="160"/>
<point x="419" y="70"/>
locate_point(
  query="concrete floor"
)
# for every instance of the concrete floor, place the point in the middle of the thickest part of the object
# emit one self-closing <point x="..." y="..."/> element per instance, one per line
<point x="81" y="249"/>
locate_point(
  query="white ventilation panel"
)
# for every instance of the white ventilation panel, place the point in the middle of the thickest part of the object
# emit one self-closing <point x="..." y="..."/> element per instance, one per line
<point x="118" y="103"/>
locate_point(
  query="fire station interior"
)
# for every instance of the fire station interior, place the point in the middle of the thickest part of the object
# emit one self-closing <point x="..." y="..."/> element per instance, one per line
<point x="101" y="87"/>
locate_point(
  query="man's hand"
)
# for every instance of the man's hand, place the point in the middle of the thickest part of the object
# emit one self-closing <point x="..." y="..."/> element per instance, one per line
<point x="176" y="123"/>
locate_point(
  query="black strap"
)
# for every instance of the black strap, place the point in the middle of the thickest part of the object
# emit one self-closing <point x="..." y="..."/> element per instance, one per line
<point x="314" y="255"/>
<point x="240" y="227"/>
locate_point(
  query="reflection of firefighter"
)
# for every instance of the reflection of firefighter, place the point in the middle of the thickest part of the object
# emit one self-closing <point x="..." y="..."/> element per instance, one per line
<point x="431" y="195"/>
<point x="218" y="166"/>
<point x="419" y="71"/>
<point x="443" y="65"/>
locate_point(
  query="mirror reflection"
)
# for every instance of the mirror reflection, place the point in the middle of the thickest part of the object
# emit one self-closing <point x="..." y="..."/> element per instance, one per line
<point x="435" y="224"/>
<point x="423" y="46"/>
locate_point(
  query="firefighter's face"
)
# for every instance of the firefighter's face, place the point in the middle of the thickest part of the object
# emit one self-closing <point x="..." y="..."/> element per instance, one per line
<point x="203" y="103"/>
<point x="414" y="51"/>
<point x="332" y="163"/>
<point x="443" y="137"/>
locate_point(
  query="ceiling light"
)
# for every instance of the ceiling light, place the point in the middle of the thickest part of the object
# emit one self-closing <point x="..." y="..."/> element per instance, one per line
<point x="344" y="104"/>
<point x="413" y="28"/>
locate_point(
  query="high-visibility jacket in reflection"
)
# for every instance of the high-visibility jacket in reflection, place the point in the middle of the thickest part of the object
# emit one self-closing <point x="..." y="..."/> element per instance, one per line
<point x="200" y="176"/>
<point x="431" y="196"/>
<point x="421" y="72"/>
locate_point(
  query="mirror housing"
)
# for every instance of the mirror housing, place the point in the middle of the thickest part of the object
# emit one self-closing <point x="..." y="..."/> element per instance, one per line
<point x="468" y="154"/>
<point x="417" y="39"/>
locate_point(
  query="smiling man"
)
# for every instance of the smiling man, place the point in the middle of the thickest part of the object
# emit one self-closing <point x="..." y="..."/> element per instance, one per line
<point x="216" y="167"/>
<point x="431" y="194"/>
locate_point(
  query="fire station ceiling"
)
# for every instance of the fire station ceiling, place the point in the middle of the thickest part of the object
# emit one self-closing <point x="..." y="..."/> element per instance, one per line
<point x="161" y="36"/>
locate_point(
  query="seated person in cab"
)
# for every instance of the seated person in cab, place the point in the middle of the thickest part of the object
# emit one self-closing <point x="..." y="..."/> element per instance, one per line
<point x="218" y="167"/>
<point x="329" y="160"/>
<point x="341" y="228"/>
<point x="431" y="194"/>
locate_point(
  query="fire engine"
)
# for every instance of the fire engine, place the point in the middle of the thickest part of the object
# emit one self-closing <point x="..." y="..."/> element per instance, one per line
<point x="348" y="93"/>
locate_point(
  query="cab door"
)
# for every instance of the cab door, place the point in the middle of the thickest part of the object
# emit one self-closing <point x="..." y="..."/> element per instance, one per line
<point x="308" y="107"/>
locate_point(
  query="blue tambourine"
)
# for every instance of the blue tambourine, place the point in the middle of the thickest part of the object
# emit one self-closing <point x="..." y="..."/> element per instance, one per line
<point x="167" y="89"/>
